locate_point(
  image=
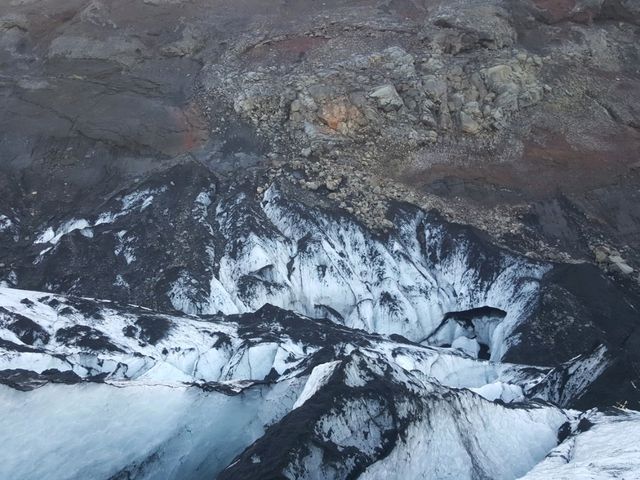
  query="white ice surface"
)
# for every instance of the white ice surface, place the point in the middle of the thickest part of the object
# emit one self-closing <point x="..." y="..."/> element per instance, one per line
<point x="471" y="438"/>
<point x="609" y="450"/>
<point x="90" y="431"/>
<point x="340" y="271"/>
<point x="146" y="408"/>
<point x="213" y="351"/>
<point x="51" y="236"/>
<point x="316" y="380"/>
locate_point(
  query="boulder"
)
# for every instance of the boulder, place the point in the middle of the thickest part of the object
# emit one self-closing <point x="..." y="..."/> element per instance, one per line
<point x="468" y="27"/>
<point x="530" y="96"/>
<point x="498" y="76"/>
<point x="616" y="259"/>
<point x="435" y="87"/>
<point x="601" y="256"/>
<point x="428" y="119"/>
<point x="468" y="124"/>
<point x="431" y="136"/>
<point x="387" y="97"/>
<point x="508" y="100"/>
<point x="333" y="184"/>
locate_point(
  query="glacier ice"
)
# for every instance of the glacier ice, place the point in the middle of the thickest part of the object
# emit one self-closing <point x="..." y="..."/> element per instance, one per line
<point x="103" y="390"/>
<point x="301" y="343"/>
<point x="609" y="449"/>
<point x="135" y="430"/>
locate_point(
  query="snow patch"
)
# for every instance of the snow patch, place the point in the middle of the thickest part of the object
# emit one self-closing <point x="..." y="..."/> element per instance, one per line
<point x="51" y="236"/>
<point x="5" y="223"/>
<point x="318" y="378"/>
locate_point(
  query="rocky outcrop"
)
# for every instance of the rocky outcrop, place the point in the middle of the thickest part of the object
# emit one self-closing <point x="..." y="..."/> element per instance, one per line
<point x="484" y="95"/>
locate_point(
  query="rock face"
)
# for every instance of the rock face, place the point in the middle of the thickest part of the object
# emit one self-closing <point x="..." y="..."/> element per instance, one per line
<point x="319" y="239"/>
<point x="486" y="96"/>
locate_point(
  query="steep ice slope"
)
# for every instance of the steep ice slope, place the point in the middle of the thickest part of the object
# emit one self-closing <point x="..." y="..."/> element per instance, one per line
<point x="403" y="283"/>
<point x="186" y="242"/>
<point x="374" y="420"/>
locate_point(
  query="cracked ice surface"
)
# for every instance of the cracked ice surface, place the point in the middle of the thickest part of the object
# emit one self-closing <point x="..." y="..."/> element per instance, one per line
<point x="328" y="267"/>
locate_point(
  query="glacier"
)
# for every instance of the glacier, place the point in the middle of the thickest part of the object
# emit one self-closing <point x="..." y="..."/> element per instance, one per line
<point x="99" y="389"/>
<point x="245" y="252"/>
<point x="252" y="335"/>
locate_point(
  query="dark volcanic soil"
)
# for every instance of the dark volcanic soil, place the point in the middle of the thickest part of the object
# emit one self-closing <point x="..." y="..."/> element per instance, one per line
<point x="544" y="157"/>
